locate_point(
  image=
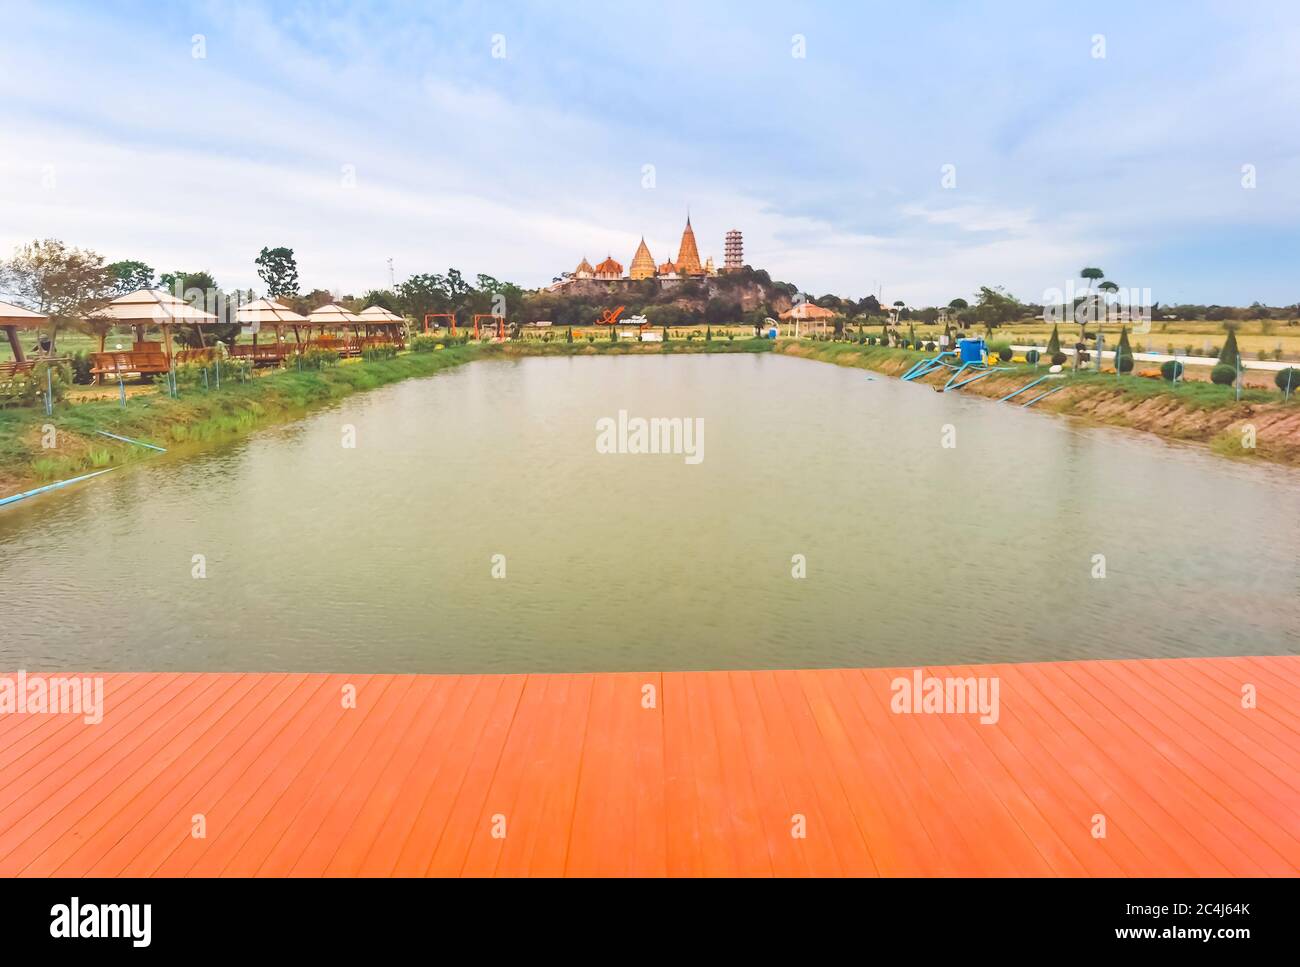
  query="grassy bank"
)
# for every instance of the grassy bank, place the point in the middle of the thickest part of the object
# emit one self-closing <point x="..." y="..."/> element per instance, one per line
<point x="1193" y="412"/>
<point x="200" y="419"/>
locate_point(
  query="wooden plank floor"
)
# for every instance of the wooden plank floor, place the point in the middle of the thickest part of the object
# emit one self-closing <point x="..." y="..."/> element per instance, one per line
<point x="575" y="775"/>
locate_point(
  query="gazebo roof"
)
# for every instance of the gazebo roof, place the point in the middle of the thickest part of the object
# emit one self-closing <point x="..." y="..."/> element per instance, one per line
<point x="377" y="315"/>
<point x="332" y="315"/>
<point x="11" y="315"/>
<point x="807" y="310"/>
<point x="269" y="312"/>
<point x="152" y="305"/>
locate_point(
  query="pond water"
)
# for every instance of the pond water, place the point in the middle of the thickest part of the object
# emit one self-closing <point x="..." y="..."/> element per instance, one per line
<point x="380" y="557"/>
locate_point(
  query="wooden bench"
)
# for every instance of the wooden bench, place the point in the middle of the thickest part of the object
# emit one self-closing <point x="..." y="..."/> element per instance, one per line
<point x="143" y="363"/>
<point x="344" y="347"/>
<point x="264" y="353"/>
<point x="10" y="369"/>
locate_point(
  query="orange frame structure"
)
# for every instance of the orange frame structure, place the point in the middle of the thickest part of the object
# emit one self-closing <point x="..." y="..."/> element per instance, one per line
<point x="501" y="323"/>
<point x="440" y="315"/>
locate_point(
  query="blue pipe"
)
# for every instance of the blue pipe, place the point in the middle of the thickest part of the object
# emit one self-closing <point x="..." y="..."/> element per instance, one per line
<point x="1022" y="389"/>
<point x="954" y="376"/>
<point x="1055" y="389"/>
<point x="127" y="439"/>
<point x="54" y="486"/>
<point x="987" y="372"/>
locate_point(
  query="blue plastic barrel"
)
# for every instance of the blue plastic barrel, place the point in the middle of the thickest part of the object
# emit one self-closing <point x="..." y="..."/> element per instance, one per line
<point x="970" y="350"/>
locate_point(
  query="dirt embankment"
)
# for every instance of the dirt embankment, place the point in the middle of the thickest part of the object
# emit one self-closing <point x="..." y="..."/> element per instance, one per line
<point x="1194" y="414"/>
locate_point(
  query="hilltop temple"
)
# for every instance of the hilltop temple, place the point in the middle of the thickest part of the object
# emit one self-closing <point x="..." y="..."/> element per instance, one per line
<point x="686" y="266"/>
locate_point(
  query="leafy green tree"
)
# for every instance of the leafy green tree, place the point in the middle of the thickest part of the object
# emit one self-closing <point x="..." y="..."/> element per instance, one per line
<point x="279" y="270"/>
<point x="178" y="283"/>
<point x="382" y="298"/>
<point x="130" y="275"/>
<point x="65" y="284"/>
<point x="996" y="306"/>
<point x="423" y="294"/>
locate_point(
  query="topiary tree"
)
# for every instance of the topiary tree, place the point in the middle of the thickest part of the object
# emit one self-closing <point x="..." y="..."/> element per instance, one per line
<point x="1223" y="374"/>
<point x="1054" y="343"/>
<point x="1032" y="357"/>
<point x="1288" y="381"/>
<point x="1228" y="354"/>
<point x="1059" y="358"/>
<point x="1123" y="352"/>
<point x="1172" y="370"/>
<point x="708" y="334"/>
<point x="568" y="336"/>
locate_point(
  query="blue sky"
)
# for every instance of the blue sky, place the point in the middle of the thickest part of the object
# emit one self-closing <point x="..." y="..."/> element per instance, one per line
<point x="357" y="135"/>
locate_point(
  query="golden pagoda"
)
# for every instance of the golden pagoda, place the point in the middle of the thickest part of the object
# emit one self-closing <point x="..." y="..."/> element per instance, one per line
<point x="688" y="255"/>
<point x="643" y="266"/>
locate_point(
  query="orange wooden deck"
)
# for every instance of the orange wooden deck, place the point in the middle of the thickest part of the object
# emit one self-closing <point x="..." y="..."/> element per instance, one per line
<point x="416" y="778"/>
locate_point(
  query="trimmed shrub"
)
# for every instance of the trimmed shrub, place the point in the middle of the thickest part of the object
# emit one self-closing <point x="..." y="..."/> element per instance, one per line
<point x="1228" y="354"/>
<point x="1032" y="356"/>
<point x="424" y="344"/>
<point x="1124" y="352"/>
<point x="81" y="366"/>
<point x="318" y="358"/>
<point x="1171" y="370"/>
<point x="1054" y="343"/>
<point x="929" y="347"/>
<point x="1223" y="374"/>
<point x="1059" y="358"/>
<point x="1288" y="380"/>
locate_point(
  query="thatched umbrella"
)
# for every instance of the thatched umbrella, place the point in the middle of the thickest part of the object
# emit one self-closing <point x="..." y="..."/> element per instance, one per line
<point x="378" y="317"/>
<point x="806" y="312"/>
<point x="13" y="318"/>
<point x="268" y="312"/>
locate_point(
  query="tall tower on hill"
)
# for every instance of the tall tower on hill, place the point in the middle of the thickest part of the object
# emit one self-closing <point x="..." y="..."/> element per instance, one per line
<point x="688" y="255"/>
<point x="734" y="252"/>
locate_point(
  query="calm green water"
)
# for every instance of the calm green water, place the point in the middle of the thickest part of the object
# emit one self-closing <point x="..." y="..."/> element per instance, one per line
<point x="379" y="558"/>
